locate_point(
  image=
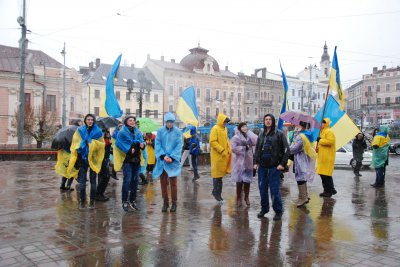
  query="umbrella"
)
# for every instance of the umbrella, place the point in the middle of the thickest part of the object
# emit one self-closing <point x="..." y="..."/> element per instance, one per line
<point x="147" y="125"/>
<point x="107" y="122"/>
<point x="296" y="117"/>
<point x="63" y="138"/>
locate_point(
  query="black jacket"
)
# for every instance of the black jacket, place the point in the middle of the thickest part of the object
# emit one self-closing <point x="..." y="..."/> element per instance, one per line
<point x="359" y="147"/>
<point x="280" y="149"/>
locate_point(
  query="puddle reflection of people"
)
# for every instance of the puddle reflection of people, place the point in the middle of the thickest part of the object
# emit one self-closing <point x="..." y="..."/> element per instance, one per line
<point x="219" y="238"/>
<point x="379" y="221"/>
<point x="243" y="236"/>
<point x="358" y="197"/>
<point x="302" y="247"/>
<point x="325" y="250"/>
<point x="269" y="253"/>
<point x="167" y="252"/>
<point x="130" y="255"/>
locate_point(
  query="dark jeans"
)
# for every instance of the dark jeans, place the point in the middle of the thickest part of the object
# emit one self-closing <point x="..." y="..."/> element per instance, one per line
<point x="358" y="166"/>
<point x="194" y="164"/>
<point x="380" y="176"/>
<point x="270" y="178"/>
<point x="327" y="183"/>
<point x="103" y="177"/>
<point x="130" y="182"/>
<point x="82" y="176"/>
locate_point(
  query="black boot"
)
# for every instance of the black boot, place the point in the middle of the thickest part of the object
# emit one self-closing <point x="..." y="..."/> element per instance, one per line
<point x="62" y="186"/>
<point x="173" y="207"/>
<point x="220" y="189"/>
<point x="165" y="207"/>
<point x="91" y="204"/>
<point x="215" y="189"/>
<point x="143" y="178"/>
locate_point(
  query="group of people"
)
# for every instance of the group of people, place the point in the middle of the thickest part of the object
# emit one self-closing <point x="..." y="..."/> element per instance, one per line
<point x="269" y="154"/>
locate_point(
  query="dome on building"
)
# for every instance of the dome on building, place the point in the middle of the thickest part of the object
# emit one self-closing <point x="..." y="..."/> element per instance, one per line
<point x="196" y="59"/>
<point x="325" y="56"/>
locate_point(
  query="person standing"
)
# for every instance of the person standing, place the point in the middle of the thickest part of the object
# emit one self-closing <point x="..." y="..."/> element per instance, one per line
<point x="380" y="155"/>
<point x="168" y="149"/>
<point x="126" y="153"/>
<point x="87" y="152"/>
<point x="242" y="145"/>
<point x="104" y="174"/>
<point x="271" y="157"/>
<point x="186" y="152"/>
<point x="220" y="154"/>
<point x="359" y="145"/>
<point x="326" y="149"/>
<point x="304" y="161"/>
<point x="151" y="161"/>
<point x="194" y="148"/>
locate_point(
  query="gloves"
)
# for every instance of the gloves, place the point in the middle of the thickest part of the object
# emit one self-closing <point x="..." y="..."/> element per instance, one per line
<point x="319" y="138"/>
<point x="247" y="147"/>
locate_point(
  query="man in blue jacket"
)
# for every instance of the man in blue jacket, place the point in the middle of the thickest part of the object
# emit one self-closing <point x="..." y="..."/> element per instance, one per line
<point x="168" y="149"/>
<point x="194" y="150"/>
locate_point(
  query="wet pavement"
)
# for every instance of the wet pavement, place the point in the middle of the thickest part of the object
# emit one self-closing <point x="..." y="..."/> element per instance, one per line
<point x="40" y="226"/>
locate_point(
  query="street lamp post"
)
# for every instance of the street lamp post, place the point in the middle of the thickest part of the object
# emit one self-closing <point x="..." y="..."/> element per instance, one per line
<point x="64" y="105"/>
<point x="144" y="89"/>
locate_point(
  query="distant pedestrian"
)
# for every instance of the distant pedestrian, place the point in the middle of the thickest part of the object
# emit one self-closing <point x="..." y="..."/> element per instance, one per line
<point x="87" y="152"/>
<point x="104" y="174"/>
<point x="220" y="154"/>
<point x="242" y="144"/>
<point x="151" y="161"/>
<point x="326" y="158"/>
<point x="186" y="152"/>
<point x="194" y="150"/>
<point x="126" y="153"/>
<point x="304" y="161"/>
<point x="271" y="157"/>
<point x="168" y="148"/>
<point x="380" y="155"/>
<point x="359" y="145"/>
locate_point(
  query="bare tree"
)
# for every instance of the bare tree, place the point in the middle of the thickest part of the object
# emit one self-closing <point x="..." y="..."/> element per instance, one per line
<point x="40" y="124"/>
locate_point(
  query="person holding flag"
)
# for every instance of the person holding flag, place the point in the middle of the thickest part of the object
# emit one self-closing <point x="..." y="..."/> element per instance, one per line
<point x="285" y="101"/>
<point x="380" y="155"/>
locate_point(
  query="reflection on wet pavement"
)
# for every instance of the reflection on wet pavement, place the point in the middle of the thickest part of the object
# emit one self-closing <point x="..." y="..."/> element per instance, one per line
<point x="40" y="226"/>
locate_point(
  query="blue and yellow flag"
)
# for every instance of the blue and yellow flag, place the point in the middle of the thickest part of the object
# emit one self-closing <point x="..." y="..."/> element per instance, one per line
<point x="187" y="109"/>
<point x="285" y="106"/>
<point x="341" y="125"/>
<point x="110" y="106"/>
<point x="334" y="80"/>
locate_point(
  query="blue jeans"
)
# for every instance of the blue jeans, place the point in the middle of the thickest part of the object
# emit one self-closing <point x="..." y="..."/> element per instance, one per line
<point x="194" y="164"/>
<point x="270" y="178"/>
<point x="82" y="178"/>
<point x="380" y="176"/>
<point x="130" y="182"/>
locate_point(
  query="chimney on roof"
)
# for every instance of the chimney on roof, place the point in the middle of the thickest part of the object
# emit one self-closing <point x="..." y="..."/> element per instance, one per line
<point x="148" y="56"/>
<point x="226" y="68"/>
<point x="173" y="60"/>
<point x="162" y="58"/>
<point x="97" y="62"/>
<point x="91" y="66"/>
<point x="384" y="67"/>
<point x="374" y="70"/>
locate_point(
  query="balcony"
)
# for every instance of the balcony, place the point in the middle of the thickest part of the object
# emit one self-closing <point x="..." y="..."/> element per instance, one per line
<point x="265" y="102"/>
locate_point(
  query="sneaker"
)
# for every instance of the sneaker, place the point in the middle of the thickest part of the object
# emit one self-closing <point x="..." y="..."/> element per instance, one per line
<point x="125" y="206"/>
<point x="278" y="216"/>
<point x="91" y="204"/>
<point x="133" y="205"/>
<point x="261" y="214"/>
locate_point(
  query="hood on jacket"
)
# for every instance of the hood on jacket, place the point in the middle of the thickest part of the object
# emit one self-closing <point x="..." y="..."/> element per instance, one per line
<point x="384" y="129"/>
<point x="327" y="123"/>
<point x="221" y="118"/>
<point x="169" y="117"/>
<point x="273" y="122"/>
<point x="192" y="130"/>
<point x="90" y="115"/>
<point x="309" y="135"/>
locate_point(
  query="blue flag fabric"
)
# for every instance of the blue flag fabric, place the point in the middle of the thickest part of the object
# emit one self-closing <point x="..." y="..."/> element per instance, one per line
<point x="111" y="104"/>
<point x="284" y="103"/>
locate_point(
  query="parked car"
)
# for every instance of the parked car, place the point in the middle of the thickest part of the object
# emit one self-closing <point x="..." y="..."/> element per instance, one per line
<point x="395" y="148"/>
<point x="344" y="157"/>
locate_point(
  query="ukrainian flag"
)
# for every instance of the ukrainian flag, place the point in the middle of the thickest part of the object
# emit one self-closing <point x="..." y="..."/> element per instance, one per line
<point x="342" y="126"/>
<point x="187" y="109"/>
<point x="285" y="106"/>
<point x="110" y="106"/>
<point x="334" y="80"/>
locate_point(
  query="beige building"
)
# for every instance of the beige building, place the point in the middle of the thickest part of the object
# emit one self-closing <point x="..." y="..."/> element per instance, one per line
<point x="377" y="97"/>
<point x="217" y="90"/>
<point x="43" y="84"/>
<point x="128" y="77"/>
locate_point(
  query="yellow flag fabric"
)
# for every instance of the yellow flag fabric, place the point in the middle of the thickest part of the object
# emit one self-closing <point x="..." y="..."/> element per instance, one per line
<point x="334" y="80"/>
<point x="61" y="166"/>
<point x="119" y="158"/>
<point x="309" y="147"/>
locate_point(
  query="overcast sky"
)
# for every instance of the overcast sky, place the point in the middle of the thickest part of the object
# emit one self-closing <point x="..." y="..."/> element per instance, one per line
<point x="241" y="34"/>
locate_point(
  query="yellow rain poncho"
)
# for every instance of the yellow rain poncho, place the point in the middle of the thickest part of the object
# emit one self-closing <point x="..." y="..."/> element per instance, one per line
<point x="326" y="150"/>
<point x="220" y="149"/>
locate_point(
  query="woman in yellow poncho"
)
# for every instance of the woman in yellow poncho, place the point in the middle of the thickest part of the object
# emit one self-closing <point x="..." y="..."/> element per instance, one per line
<point x="87" y="152"/>
<point x="380" y="154"/>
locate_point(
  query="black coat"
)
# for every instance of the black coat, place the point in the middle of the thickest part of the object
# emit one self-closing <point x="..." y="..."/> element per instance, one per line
<point x="280" y="149"/>
<point x="358" y="149"/>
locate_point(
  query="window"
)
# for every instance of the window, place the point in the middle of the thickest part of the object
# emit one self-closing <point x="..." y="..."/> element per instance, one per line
<point x="208" y="67"/>
<point x="369" y="88"/>
<point x="397" y="99"/>
<point x="27" y="99"/>
<point x="292" y="105"/>
<point x="387" y="87"/>
<point x="198" y="93"/>
<point x="171" y="90"/>
<point x="256" y="96"/>
<point x="155" y="114"/>
<point x="319" y="95"/>
<point x="315" y="108"/>
<point x="137" y="113"/>
<point x="247" y="96"/>
<point x="127" y="111"/>
<point x="239" y="114"/>
<point x="224" y="111"/>
<point x="298" y="106"/>
<point x="217" y="94"/>
<point x="299" y="93"/>
<point x="128" y="96"/>
<point x="216" y="112"/>
<point x="96" y="111"/>
<point x="117" y="95"/>
<point x="247" y="111"/>
<point x="208" y="94"/>
<point x="272" y="98"/>
<point x="232" y="96"/>
<point x="387" y="100"/>
<point x="147" y="98"/>
<point x="256" y="112"/>
<point x="170" y="108"/>
<point x="147" y="113"/>
<point x="378" y="100"/>
<point x="397" y="86"/>
<point x="378" y="88"/>
<point x="224" y="95"/>
<point x="180" y="90"/>
<point x="239" y="97"/>
<point x="208" y="112"/>
<point x="323" y="95"/>
<point x="155" y="98"/>
<point x="72" y="103"/>
<point x="51" y="102"/>
<point x="96" y="93"/>
<point x="294" y="92"/>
